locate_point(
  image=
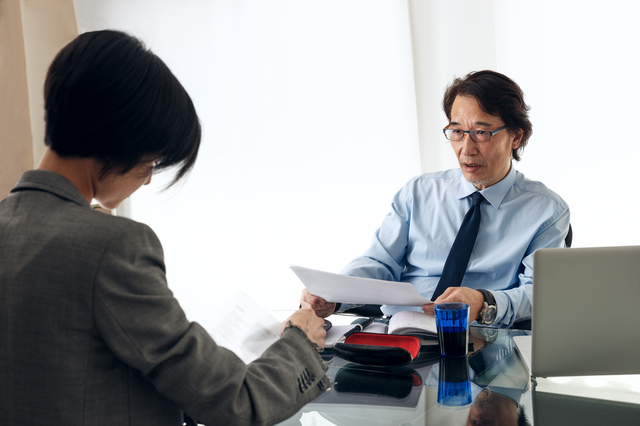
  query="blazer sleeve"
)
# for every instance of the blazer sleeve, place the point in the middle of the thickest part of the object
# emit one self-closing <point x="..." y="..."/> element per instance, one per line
<point x="143" y="324"/>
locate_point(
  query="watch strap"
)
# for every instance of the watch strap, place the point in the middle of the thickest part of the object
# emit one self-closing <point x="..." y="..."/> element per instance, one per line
<point x="488" y="297"/>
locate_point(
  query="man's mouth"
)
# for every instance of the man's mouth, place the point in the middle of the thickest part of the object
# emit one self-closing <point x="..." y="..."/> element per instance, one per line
<point x="471" y="166"/>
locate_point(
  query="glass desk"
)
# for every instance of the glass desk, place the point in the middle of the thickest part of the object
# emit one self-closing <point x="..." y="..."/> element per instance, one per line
<point x="502" y="392"/>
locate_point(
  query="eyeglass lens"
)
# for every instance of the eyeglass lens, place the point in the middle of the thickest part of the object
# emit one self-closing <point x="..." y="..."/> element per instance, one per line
<point x="457" y="135"/>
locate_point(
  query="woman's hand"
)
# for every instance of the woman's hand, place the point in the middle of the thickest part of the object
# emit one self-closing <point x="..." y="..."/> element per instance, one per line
<point x="310" y="323"/>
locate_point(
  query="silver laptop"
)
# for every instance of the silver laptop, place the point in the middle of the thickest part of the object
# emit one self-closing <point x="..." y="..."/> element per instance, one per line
<point x="586" y="311"/>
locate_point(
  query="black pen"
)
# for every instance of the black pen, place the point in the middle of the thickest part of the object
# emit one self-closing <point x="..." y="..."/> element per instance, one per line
<point x="358" y="328"/>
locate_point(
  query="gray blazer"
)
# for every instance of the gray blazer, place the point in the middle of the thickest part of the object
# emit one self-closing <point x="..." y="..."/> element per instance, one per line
<point x="90" y="334"/>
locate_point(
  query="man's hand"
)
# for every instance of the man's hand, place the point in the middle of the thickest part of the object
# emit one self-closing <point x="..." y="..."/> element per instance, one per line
<point x="321" y="307"/>
<point x="467" y="295"/>
<point x="310" y="323"/>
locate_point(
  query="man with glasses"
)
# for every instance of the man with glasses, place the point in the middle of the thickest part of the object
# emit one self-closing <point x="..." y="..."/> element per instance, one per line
<point x="488" y="127"/>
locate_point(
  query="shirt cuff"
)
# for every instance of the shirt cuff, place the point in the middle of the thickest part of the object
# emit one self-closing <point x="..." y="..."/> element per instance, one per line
<point x="502" y="302"/>
<point x="346" y="306"/>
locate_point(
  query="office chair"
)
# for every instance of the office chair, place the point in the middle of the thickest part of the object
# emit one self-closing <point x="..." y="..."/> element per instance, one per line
<point x="569" y="238"/>
<point x="374" y="310"/>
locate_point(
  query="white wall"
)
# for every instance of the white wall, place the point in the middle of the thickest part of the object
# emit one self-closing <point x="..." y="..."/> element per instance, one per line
<point x="579" y="67"/>
<point x="577" y="64"/>
<point x="309" y="120"/>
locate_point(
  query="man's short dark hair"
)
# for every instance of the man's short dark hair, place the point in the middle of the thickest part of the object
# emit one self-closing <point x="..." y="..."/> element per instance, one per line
<point x="497" y="95"/>
<point x="108" y="97"/>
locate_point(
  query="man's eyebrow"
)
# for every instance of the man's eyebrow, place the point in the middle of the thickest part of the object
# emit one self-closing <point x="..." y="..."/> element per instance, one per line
<point x="484" y="124"/>
<point x="477" y="123"/>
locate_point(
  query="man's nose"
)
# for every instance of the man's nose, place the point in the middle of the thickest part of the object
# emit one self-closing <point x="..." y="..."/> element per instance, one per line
<point x="468" y="145"/>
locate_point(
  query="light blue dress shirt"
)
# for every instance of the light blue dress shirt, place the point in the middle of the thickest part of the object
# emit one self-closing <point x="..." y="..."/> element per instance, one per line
<point x="519" y="217"/>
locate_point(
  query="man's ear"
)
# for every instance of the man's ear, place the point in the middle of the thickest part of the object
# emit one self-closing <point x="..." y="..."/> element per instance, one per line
<point x="517" y="140"/>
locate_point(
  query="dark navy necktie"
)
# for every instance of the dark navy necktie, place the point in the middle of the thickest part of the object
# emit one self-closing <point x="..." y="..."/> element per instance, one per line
<point x="458" y="259"/>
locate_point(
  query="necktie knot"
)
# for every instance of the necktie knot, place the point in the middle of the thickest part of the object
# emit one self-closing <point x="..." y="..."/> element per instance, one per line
<point x="476" y="198"/>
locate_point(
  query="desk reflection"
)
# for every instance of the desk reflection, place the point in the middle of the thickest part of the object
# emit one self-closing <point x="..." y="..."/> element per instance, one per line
<point x="454" y="384"/>
<point x="397" y="383"/>
<point x="490" y="380"/>
<point x="492" y="408"/>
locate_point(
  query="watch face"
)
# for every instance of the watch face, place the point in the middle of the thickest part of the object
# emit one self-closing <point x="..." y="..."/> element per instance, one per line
<point x="489" y="314"/>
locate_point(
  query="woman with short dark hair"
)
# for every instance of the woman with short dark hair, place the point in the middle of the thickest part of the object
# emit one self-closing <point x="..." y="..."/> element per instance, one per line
<point x="90" y="334"/>
<point x="108" y="97"/>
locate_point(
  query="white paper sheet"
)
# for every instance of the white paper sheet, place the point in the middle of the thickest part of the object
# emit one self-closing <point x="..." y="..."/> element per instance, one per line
<point x="347" y="289"/>
<point x="245" y="328"/>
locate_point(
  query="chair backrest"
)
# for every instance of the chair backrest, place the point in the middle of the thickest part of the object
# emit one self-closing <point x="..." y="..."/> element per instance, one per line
<point x="569" y="238"/>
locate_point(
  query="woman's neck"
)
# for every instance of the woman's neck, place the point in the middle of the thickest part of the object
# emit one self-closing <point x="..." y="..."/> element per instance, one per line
<point x="82" y="172"/>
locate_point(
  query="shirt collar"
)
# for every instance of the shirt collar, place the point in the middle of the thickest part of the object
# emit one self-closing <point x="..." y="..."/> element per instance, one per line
<point x="493" y="194"/>
<point x="52" y="182"/>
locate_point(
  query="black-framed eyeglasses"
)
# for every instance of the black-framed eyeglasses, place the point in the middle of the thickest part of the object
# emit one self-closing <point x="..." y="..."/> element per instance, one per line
<point x="478" y="136"/>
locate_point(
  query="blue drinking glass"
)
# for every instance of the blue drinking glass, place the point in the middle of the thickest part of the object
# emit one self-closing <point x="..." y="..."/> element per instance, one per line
<point x="453" y="328"/>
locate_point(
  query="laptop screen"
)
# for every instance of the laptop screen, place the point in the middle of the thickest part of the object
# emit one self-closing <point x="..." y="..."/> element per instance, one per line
<point x="585" y="311"/>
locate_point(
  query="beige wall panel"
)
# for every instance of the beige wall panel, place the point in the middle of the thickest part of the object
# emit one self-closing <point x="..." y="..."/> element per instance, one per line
<point x="31" y="33"/>
<point x="16" y="152"/>
<point x="48" y="25"/>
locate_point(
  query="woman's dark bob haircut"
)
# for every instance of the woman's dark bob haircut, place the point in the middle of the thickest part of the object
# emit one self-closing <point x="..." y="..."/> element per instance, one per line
<point x="108" y="97"/>
<point x="497" y="95"/>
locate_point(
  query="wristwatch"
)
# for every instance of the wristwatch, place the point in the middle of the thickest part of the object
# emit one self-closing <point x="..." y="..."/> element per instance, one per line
<point x="488" y="314"/>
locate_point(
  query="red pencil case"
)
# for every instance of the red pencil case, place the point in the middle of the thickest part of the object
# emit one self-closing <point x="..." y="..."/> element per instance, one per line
<point x="378" y="349"/>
